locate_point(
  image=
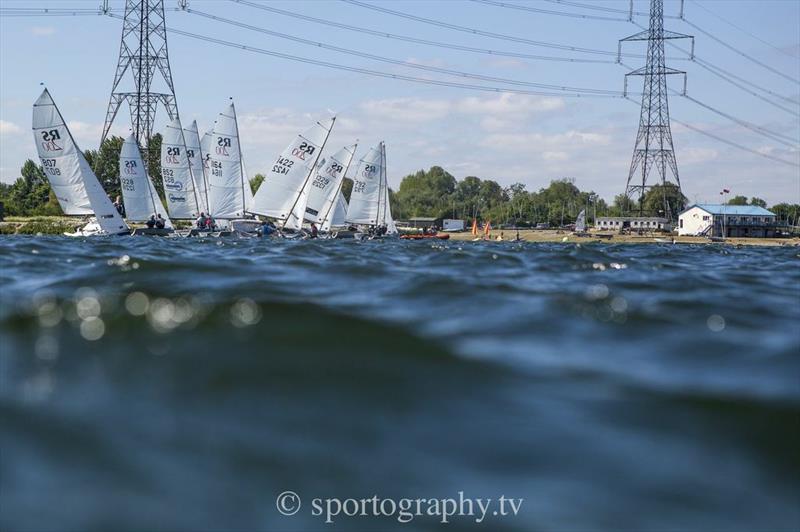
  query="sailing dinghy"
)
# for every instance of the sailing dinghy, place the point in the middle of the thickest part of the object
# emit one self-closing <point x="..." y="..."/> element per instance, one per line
<point x="194" y="152"/>
<point x="326" y="186"/>
<point x="177" y="175"/>
<point x="369" y="201"/>
<point x="229" y="194"/>
<point x="284" y="193"/>
<point x="74" y="184"/>
<point x="139" y="194"/>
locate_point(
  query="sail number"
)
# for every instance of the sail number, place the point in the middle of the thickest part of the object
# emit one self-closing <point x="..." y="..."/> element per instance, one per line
<point x="127" y="184"/>
<point x="359" y="186"/>
<point x="321" y="182"/>
<point x="216" y="168"/>
<point x="50" y="167"/>
<point x="282" y="166"/>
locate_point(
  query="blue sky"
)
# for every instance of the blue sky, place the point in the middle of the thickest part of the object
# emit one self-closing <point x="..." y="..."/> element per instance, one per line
<point x="503" y="136"/>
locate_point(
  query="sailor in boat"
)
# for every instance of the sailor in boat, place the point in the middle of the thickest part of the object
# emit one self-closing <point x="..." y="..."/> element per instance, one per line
<point x="201" y="221"/>
<point x="119" y="206"/>
<point x="159" y="221"/>
<point x="314" y="230"/>
<point x="211" y="225"/>
<point x="151" y="222"/>
<point x="267" y="229"/>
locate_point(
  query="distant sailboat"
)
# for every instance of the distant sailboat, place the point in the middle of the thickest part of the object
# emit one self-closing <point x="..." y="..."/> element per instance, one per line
<point x="369" y="199"/>
<point x="284" y="193"/>
<point x="580" y="222"/>
<point x="227" y="198"/>
<point x="74" y="184"/>
<point x="138" y="192"/>
<point x="195" y="153"/>
<point x="177" y="175"/>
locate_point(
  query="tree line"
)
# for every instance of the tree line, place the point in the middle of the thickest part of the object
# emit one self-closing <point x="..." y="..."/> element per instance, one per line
<point x="433" y="193"/>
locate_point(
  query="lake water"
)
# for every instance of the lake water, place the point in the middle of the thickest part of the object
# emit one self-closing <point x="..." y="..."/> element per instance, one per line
<point x="167" y="384"/>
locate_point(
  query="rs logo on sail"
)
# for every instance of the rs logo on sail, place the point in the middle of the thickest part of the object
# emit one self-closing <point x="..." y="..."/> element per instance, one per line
<point x="130" y="167"/>
<point x="50" y="138"/>
<point x="304" y="149"/>
<point x="173" y="155"/>
<point x="223" y="143"/>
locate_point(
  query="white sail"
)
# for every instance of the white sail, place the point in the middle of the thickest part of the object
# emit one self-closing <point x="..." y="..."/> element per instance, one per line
<point x="367" y="193"/>
<point x="195" y="152"/>
<point x="138" y="192"/>
<point x="386" y="211"/>
<point x="327" y="182"/>
<point x="580" y="223"/>
<point x="76" y="187"/>
<point x="295" y="220"/>
<point x="226" y="181"/>
<point x="337" y="216"/>
<point x="278" y="195"/>
<point x="176" y="173"/>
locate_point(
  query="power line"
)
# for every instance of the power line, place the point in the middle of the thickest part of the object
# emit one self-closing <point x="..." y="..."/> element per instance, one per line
<point x="406" y="64"/>
<point x="548" y="11"/>
<point x="743" y="30"/>
<point x="605" y="8"/>
<point x="484" y="33"/>
<point x="725" y="141"/>
<point x="416" y="40"/>
<point x="371" y="72"/>
<point x="741" y="53"/>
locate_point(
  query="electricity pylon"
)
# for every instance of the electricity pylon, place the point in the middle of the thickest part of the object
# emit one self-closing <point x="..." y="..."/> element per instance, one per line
<point x="143" y="52"/>
<point x="653" y="146"/>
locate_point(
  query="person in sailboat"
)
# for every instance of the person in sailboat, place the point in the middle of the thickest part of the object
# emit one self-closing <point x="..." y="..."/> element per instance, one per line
<point x="200" y="222"/>
<point x="314" y="230"/>
<point x="119" y="206"/>
<point x="151" y="222"/>
<point x="267" y="228"/>
<point x="211" y="225"/>
<point x="159" y="221"/>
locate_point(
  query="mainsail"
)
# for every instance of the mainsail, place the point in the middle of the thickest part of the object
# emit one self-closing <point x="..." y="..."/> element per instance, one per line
<point x="385" y="213"/>
<point x="580" y="223"/>
<point x="195" y="154"/>
<point x="141" y="198"/>
<point x="367" y="193"/>
<point x="226" y="179"/>
<point x="283" y="188"/>
<point x="177" y="175"/>
<point x="326" y="184"/>
<point x="76" y="187"/>
<point x="337" y="216"/>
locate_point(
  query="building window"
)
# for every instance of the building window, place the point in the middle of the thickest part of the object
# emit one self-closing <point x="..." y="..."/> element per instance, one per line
<point x="705" y="218"/>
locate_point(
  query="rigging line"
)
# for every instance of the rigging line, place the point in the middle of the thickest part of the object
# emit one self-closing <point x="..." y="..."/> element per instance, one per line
<point x="743" y="30"/>
<point x="741" y="53"/>
<point x="474" y="31"/>
<point x="547" y="11"/>
<point x="370" y="72"/>
<point x="775" y="136"/>
<point x="728" y="73"/>
<point x="417" y="40"/>
<point x="725" y="141"/>
<point x="403" y="63"/>
<point x="717" y="71"/>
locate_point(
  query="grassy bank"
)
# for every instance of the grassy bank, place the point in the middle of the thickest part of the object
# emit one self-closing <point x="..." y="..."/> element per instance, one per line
<point x="530" y="235"/>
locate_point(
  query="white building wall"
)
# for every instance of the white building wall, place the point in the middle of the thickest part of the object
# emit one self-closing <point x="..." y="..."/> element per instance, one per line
<point x="694" y="221"/>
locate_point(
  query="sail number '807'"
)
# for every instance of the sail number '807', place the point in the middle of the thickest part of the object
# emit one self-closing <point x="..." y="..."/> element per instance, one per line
<point x="51" y="167"/>
<point x="282" y="165"/>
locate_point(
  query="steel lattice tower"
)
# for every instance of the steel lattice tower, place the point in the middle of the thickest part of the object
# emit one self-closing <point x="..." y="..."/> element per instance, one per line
<point x="654" y="140"/>
<point x="143" y="51"/>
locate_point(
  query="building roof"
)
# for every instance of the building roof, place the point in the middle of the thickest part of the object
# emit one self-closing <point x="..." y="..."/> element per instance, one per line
<point x="736" y="210"/>
<point x="421" y="219"/>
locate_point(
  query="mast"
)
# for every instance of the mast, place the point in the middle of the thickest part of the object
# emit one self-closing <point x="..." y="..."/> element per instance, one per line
<point x="202" y="167"/>
<point x="380" y="186"/>
<point x="339" y="188"/>
<point x="308" y="176"/>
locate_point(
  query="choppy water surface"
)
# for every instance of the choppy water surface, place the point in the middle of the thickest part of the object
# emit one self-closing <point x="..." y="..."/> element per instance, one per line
<point x="183" y="384"/>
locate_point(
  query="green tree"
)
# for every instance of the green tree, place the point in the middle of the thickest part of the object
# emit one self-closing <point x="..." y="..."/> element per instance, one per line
<point x="738" y="200"/>
<point x="255" y="182"/>
<point x="758" y="202"/>
<point x="105" y="164"/>
<point x="660" y="197"/>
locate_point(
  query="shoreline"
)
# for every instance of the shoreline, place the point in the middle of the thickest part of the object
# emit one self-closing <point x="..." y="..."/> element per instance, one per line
<point x="57" y="225"/>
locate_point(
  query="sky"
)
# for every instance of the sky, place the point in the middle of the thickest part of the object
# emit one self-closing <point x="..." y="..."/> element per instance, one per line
<point x="505" y="136"/>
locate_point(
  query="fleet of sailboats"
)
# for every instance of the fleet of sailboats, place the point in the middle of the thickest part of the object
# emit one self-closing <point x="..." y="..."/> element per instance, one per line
<point x="302" y="191"/>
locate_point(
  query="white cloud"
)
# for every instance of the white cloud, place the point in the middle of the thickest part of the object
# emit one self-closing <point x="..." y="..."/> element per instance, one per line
<point x="8" y="128"/>
<point x="413" y="110"/>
